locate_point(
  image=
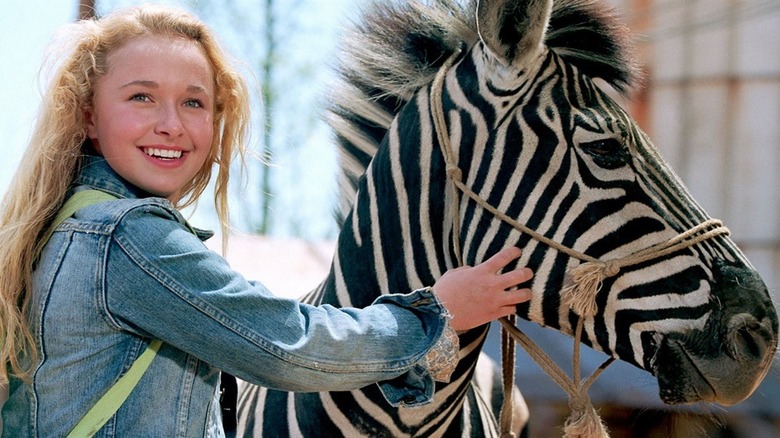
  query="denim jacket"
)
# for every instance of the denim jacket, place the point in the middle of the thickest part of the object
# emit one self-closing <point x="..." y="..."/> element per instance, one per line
<point x="123" y="272"/>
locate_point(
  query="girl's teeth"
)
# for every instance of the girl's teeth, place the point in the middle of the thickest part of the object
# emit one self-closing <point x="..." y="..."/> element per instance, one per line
<point x="163" y="153"/>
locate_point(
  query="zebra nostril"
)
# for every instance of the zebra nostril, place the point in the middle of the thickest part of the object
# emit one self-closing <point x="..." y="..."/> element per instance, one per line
<point x="745" y="343"/>
<point x="748" y="339"/>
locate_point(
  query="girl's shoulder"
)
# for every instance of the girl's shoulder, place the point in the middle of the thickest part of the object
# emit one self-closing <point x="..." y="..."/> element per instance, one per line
<point x="141" y="220"/>
<point x="113" y="211"/>
<point x="151" y="213"/>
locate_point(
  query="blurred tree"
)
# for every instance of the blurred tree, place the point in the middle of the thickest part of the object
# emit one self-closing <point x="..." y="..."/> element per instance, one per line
<point x="86" y="9"/>
<point x="269" y="101"/>
<point x="275" y="38"/>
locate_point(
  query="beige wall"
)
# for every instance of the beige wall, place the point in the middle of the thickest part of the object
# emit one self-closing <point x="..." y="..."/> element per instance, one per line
<point x="711" y="103"/>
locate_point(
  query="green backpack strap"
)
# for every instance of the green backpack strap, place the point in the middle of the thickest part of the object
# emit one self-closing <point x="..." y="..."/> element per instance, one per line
<point x="79" y="200"/>
<point x="107" y="406"/>
<point x="110" y="402"/>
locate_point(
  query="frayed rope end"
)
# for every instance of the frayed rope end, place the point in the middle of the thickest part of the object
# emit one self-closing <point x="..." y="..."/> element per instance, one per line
<point x="587" y="278"/>
<point x="585" y="424"/>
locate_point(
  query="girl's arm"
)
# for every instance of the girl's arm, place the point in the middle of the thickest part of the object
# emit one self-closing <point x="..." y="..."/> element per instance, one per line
<point x="162" y="282"/>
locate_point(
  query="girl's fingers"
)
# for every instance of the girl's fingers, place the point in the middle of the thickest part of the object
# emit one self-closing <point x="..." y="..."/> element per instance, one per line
<point x="515" y="297"/>
<point x="515" y="277"/>
<point x="507" y="310"/>
<point x="501" y="259"/>
<point x="497" y="292"/>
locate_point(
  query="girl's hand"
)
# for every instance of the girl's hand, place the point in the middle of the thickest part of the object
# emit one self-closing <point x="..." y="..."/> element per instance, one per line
<point x="477" y="295"/>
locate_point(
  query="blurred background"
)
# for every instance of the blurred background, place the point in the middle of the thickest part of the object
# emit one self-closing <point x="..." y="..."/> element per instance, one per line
<point x="284" y="48"/>
<point x="710" y="101"/>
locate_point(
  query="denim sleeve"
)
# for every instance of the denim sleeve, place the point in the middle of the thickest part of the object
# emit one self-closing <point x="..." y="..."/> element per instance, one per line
<point x="162" y="282"/>
<point x="416" y="387"/>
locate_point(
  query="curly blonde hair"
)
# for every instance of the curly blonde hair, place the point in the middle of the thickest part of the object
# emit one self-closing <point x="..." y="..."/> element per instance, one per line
<point x="54" y="154"/>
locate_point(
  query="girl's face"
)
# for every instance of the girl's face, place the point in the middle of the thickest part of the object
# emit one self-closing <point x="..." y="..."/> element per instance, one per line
<point x="152" y="116"/>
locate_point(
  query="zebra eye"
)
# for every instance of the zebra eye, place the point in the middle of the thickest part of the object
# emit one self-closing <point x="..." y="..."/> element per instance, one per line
<point x="608" y="153"/>
<point x="607" y="146"/>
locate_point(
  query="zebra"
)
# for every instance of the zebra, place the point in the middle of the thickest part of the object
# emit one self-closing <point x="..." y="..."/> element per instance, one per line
<point x="535" y="133"/>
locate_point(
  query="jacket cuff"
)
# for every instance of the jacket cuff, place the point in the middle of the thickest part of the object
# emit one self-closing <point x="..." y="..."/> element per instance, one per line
<point x="416" y="387"/>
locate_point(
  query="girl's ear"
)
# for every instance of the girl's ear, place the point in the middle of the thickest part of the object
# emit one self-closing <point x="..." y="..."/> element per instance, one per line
<point x="91" y="127"/>
<point x="89" y="120"/>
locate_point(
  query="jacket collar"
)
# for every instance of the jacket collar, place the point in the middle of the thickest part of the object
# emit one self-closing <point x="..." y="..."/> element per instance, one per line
<point x="97" y="174"/>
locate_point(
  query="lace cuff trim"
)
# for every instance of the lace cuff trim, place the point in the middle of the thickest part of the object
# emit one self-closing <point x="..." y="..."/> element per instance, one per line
<point x="442" y="359"/>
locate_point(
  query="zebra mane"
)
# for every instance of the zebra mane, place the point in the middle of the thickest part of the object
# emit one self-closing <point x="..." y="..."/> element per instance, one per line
<point x="398" y="46"/>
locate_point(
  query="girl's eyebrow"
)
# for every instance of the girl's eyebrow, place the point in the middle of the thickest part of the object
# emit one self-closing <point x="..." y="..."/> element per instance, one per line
<point x="153" y="84"/>
<point x="196" y="89"/>
<point x="147" y="84"/>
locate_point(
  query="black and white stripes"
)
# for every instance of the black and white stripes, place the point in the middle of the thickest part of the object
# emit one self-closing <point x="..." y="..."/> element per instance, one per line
<point x="535" y="137"/>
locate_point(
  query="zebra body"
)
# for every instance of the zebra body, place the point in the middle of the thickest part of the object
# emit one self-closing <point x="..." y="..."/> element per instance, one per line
<point x="534" y="136"/>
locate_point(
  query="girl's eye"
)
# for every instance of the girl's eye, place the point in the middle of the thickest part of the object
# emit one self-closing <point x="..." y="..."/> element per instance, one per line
<point x="194" y="103"/>
<point x="140" y="97"/>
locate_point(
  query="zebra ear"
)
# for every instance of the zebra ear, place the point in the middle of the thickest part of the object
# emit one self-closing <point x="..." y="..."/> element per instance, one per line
<point x="514" y="30"/>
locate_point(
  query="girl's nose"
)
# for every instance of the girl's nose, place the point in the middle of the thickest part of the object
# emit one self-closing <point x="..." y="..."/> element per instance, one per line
<point x="169" y="121"/>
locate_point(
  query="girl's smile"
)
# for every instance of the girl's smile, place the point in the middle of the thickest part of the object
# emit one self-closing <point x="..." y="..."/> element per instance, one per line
<point x="152" y="113"/>
<point x="164" y="157"/>
<point x="163" y="154"/>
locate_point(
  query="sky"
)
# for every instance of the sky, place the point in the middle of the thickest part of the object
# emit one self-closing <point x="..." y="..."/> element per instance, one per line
<point x="307" y="164"/>
<point x="25" y="29"/>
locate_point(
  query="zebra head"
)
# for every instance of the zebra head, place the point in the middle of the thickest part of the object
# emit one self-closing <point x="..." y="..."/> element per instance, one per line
<point x="534" y="136"/>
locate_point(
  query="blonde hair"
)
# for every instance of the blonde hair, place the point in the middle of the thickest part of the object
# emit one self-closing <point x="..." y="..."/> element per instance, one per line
<point x="54" y="154"/>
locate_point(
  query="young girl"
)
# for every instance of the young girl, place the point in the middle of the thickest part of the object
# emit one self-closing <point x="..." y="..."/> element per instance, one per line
<point x="143" y="109"/>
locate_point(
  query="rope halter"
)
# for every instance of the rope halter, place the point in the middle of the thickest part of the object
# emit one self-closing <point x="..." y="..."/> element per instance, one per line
<point x="580" y="296"/>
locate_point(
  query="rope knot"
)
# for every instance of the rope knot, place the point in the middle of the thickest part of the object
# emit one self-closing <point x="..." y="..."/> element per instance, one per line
<point x="585" y="424"/>
<point x="579" y="404"/>
<point x="584" y="421"/>
<point x="454" y="173"/>
<point x="611" y="268"/>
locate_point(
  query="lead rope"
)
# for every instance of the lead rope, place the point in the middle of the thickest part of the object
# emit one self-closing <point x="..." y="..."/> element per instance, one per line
<point x="580" y="296"/>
